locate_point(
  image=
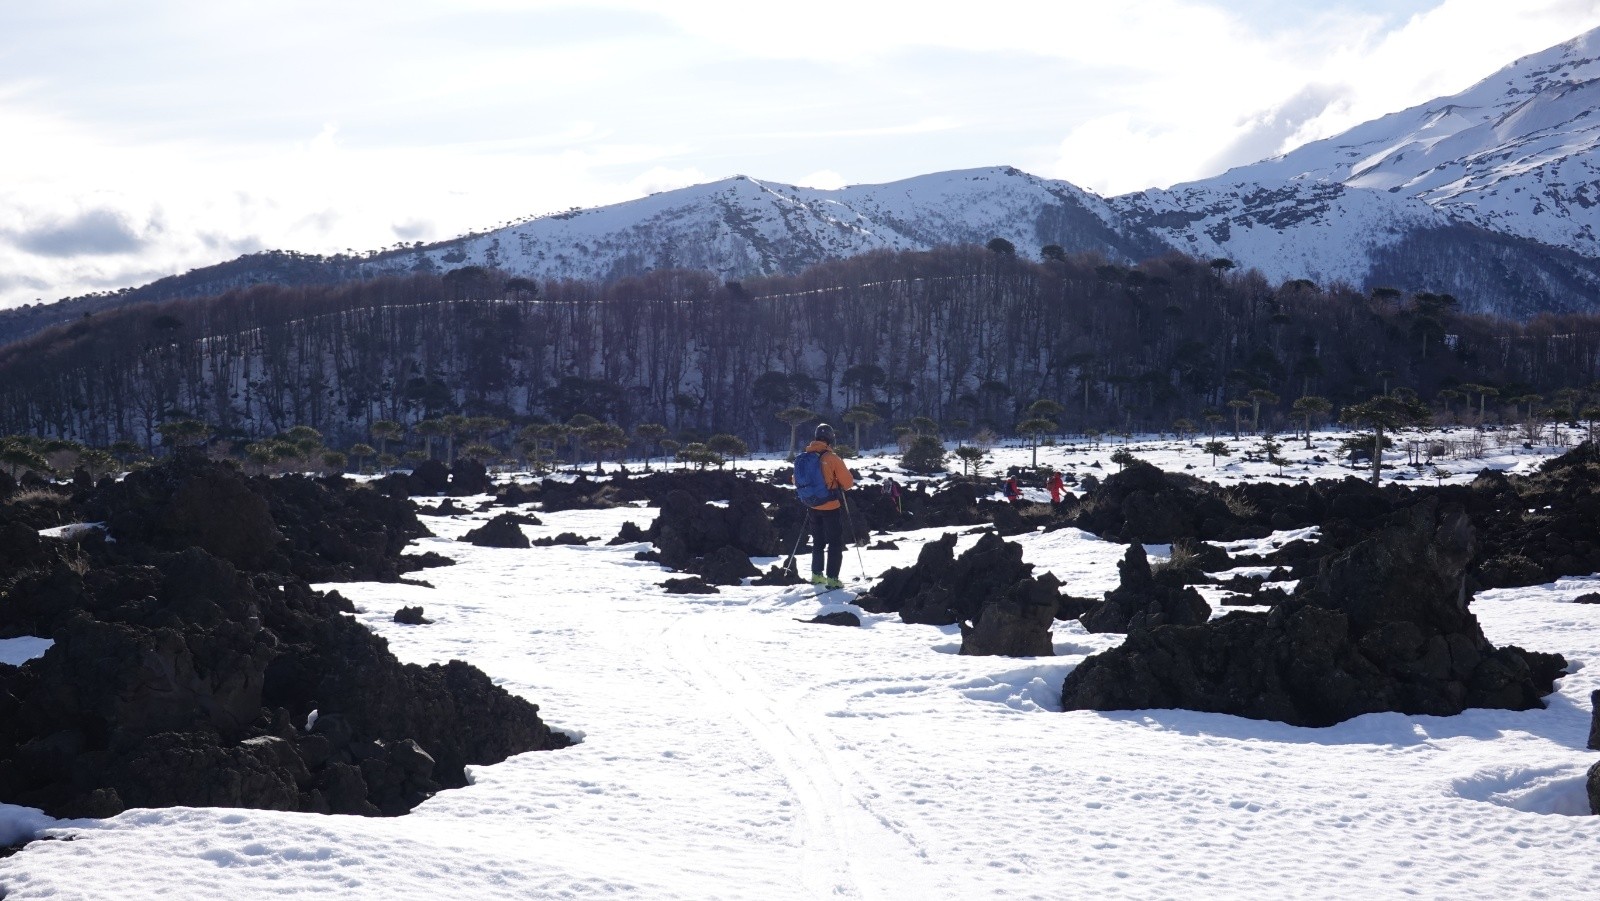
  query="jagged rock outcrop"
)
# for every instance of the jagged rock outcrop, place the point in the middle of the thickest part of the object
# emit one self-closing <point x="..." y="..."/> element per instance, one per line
<point x="1143" y="505"/>
<point x="712" y="541"/>
<point x="563" y="539"/>
<point x="501" y="531"/>
<point x="1015" y="624"/>
<point x="1143" y="602"/>
<point x="191" y="502"/>
<point x="180" y="676"/>
<point x="411" y="616"/>
<point x="322" y="530"/>
<point x="431" y="478"/>
<point x="1003" y="608"/>
<point x="1383" y="626"/>
<point x="1540" y="527"/>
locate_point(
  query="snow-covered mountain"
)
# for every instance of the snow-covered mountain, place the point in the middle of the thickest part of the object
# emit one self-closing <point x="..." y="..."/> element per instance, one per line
<point x="1492" y="194"/>
<point x="741" y="226"/>
<point x="1518" y="153"/>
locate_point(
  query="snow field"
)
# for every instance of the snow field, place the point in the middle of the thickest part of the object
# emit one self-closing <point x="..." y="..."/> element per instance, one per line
<point x="730" y="751"/>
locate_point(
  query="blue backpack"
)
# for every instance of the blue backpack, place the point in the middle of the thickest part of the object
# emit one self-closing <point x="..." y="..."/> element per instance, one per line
<point x="808" y="482"/>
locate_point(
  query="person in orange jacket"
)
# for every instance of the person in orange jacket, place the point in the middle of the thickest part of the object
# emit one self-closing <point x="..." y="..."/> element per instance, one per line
<point x="1056" y="485"/>
<point x="827" y="518"/>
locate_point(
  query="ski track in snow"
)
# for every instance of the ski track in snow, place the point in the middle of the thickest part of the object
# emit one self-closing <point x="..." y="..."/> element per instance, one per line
<point x="731" y="751"/>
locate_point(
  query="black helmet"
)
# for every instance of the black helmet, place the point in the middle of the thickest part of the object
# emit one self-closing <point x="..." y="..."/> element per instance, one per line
<point x="825" y="433"/>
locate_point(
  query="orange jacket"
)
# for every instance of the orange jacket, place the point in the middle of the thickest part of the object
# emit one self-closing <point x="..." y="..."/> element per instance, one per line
<point x="834" y="473"/>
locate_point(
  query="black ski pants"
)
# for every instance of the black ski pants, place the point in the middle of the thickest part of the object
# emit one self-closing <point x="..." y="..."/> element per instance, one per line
<point x="827" y="533"/>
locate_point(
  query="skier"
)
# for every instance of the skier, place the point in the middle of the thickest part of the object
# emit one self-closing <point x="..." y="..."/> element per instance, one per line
<point x="1056" y="485"/>
<point x="827" y="517"/>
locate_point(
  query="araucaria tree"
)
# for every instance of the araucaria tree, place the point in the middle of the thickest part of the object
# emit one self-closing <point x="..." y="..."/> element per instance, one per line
<point x="1386" y="412"/>
<point x="1216" y="449"/>
<point x="1033" y="430"/>
<point x="1307" y="407"/>
<point x="795" y="417"/>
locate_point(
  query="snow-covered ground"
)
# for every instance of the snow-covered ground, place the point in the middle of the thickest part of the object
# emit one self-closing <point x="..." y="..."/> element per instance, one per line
<point x="731" y="751"/>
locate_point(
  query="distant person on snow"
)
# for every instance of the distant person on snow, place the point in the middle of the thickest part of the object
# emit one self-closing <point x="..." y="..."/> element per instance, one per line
<point x="1056" y="486"/>
<point x="827" y="517"/>
<point x="1013" y="490"/>
<point x="892" y="488"/>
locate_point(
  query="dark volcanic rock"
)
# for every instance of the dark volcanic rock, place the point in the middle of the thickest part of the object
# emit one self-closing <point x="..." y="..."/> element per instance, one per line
<point x="781" y="573"/>
<point x="411" y="616"/>
<point x="1016" y="624"/>
<point x="836" y="618"/>
<point x="191" y="502"/>
<point x="1541" y="527"/>
<point x="469" y="477"/>
<point x="578" y="494"/>
<point x="1594" y="720"/>
<point x="690" y="585"/>
<point x="942" y="589"/>
<point x="723" y="566"/>
<point x="564" y="538"/>
<point x="1141" y="602"/>
<point x="337" y="531"/>
<point x="1383" y="626"/>
<point x="1592" y="786"/>
<point x="429" y="477"/>
<point x="704" y="538"/>
<point x="501" y="531"/>
<point x="1143" y="505"/>
<point x="179" y="676"/>
<point x="630" y="533"/>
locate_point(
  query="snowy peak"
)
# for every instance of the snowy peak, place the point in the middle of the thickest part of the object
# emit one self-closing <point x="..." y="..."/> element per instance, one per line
<point x="742" y="226"/>
<point x="1492" y="194"/>
<point x="1515" y="153"/>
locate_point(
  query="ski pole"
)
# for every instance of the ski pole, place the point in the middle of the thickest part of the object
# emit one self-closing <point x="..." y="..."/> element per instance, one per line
<point x="850" y="521"/>
<point x="797" y="539"/>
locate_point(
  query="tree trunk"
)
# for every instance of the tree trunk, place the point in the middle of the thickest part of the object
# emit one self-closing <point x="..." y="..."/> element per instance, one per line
<point x="1377" y="454"/>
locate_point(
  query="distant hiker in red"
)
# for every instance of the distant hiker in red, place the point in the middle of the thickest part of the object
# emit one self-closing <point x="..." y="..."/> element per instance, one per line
<point x="1056" y="486"/>
<point x="1013" y="490"/>
<point x="827" y="517"/>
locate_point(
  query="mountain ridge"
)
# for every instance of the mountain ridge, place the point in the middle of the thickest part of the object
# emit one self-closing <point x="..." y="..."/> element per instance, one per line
<point x="1491" y="194"/>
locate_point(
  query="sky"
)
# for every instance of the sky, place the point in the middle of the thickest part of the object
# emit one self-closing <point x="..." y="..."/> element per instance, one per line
<point x="145" y="139"/>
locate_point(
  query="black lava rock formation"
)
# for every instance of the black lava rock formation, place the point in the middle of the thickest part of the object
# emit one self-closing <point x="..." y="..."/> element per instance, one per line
<point x="321" y="530"/>
<point x="836" y="618"/>
<point x="193" y="664"/>
<point x="563" y="538"/>
<point x="501" y="531"/>
<point x="1143" y="505"/>
<point x="712" y="541"/>
<point x="690" y="585"/>
<point x="1002" y="607"/>
<point x="1143" y="602"/>
<point x="411" y="616"/>
<point x="1383" y="626"/>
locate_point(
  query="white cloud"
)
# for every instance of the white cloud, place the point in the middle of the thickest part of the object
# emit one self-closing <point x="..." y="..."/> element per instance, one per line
<point x="661" y="178"/>
<point x="823" y="179"/>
